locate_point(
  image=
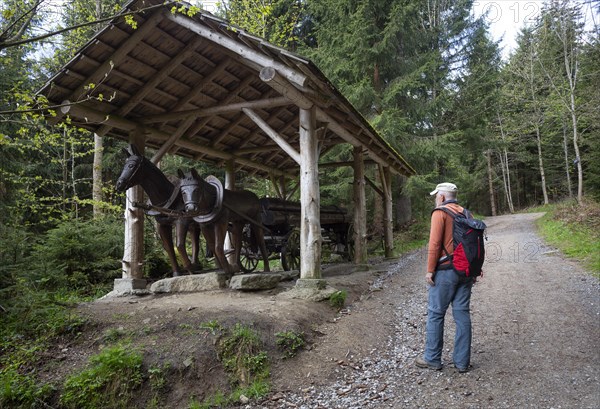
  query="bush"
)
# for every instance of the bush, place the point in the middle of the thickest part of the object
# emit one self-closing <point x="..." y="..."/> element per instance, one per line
<point x="338" y="299"/>
<point x="80" y="254"/>
<point x="21" y="391"/>
<point x="241" y="355"/>
<point x="290" y="342"/>
<point x="108" y="383"/>
<point x="40" y="281"/>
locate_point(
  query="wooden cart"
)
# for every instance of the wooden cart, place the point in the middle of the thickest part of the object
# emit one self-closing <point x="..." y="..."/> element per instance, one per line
<point x="281" y="219"/>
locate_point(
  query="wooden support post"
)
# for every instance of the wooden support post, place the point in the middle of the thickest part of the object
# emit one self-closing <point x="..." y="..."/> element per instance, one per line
<point x="282" y="187"/>
<point x="229" y="184"/>
<point x="360" y="208"/>
<point x="388" y="228"/>
<point x="310" y="228"/>
<point x="133" y="255"/>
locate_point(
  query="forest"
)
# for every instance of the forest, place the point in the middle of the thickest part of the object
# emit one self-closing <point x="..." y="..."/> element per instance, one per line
<point x="511" y="130"/>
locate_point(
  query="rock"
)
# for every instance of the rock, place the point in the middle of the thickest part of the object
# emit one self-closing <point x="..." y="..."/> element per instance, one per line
<point x="253" y="282"/>
<point x="244" y="399"/>
<point x="311" y="294"/>
<point x="199" y="282"/>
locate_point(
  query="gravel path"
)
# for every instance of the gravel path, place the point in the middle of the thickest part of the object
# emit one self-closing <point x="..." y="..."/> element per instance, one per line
<point x="536" y="336"/>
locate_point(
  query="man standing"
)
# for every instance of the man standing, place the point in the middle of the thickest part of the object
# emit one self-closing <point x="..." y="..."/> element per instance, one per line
<point x="445" y="288"/>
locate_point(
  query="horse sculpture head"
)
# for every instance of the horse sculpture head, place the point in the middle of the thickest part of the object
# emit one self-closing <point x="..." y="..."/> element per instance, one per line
<point x="200" y="196"/>
<point x="130" y="174"/>
<point x="191" y="189"/>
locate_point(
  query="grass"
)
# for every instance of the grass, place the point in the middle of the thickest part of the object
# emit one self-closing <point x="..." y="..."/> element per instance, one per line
<point x="338" y="299"/>
<point x="109" y="381"/>
<point x="574" y="230"/>
<point x="240" y="352"/>
<point x="290" y="342"/>
<point x="411" y="237"/>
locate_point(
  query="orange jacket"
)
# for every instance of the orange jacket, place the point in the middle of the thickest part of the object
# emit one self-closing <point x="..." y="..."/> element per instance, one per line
<point x="441" y="232"/>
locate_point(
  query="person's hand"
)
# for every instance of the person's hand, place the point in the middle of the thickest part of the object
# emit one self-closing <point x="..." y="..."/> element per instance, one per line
<point x="429" y="278"/>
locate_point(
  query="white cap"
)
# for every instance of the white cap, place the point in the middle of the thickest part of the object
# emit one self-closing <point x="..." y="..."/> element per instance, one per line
<point x="444" y="187"/>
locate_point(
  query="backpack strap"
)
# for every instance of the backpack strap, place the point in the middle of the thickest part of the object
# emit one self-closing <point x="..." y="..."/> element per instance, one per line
<point x="452" y="214"/>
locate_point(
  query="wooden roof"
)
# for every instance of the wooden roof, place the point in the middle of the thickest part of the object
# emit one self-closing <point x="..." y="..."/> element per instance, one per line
<point x="201" y="88"/>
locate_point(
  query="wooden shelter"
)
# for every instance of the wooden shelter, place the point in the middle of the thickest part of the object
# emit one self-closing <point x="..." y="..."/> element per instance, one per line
<point x="193" y="85"/>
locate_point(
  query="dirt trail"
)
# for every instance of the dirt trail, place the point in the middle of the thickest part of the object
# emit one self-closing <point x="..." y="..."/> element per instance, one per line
<point x="536" y="320"/>
<point x="536" y="343"/>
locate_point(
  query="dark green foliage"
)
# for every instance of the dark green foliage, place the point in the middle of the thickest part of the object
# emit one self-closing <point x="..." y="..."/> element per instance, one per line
<point x="19" y="390"/>
<point x="240" y="351"/>
<point x="338" y="299"/>
<point x="108" y="382"/>
<point x="290" y="342"/>
<point x="40" y="278"/>
<point x="80" y="254"/>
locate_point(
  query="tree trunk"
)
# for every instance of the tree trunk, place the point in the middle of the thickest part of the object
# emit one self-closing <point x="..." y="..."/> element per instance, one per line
<point x="571" y="69"/>
<point x="402" y="214"/>
<point x="377" y="226"/>
<point x="360" y="208"/>
<point x="541" y="163"/>
<point x="505" y="169"/>
<point x="133" y="255"/>
<point x="97" y="196"/>
<point x="388" y="236"/>
<point x="511" y="206"/>
<point x="310" y="228"/>
<point x="566" y="150"/>
<point x="488" y="155"/>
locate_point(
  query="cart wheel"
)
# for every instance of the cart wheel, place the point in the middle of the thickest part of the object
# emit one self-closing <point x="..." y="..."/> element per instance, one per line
<point x="248" y="259"/>
<point x="290" y="252"/>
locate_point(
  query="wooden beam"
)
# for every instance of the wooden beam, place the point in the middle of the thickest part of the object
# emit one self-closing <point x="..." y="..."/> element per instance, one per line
<point x="259" y="149"/>
<point x="375" y="187"/>
<point x="339" y="130"/>
<point x="344" y="163"/>
<point x="172" y="139"/>
<point x="271" y="133"/>
<point x="190" y="120"/>
<point x="232" y="95"/>
<point x="88" y="114"/>
<point x="388" y="238"/>
<point x="105" y="68"/>
<point x="360" y="208"/>
<point x="133" y="255"/>
<point x="270" y="76"/>
<point x="151" y="85"/>
<point x="277" y="186"/>
<point x="310" y="224"/>
<point x="233" y="122"/>
<point x="237" y="47"/>
<point x="230" y="185"/>
<point x="217" y="110"/>
<point x="293" y="190"/>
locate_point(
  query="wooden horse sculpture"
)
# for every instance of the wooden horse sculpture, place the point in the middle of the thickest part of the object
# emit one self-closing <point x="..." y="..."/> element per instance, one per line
<point x="214" y="208"/>
<point x="138" y="170"/>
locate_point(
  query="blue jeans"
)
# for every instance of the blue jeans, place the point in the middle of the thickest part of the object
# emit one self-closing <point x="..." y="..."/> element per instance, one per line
<point x="449" y="289"/>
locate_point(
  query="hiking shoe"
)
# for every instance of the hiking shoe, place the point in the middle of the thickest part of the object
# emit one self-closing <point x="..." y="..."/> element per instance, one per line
<point x="461" y="370"/>
<point x="422" y="363"/>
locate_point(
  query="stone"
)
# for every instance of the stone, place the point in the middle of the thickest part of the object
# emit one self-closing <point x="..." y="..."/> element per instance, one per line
<point x="311" y="283"/>
<point x="192" y="283"/>
<point x="125" y="284"/>
<point x="313" y="293"/>
<point x="254" y="282"/>
<point x="128" y="286"/>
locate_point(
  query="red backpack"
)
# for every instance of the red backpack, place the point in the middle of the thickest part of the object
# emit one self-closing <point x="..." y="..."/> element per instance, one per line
<point x="468" y="237"/>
